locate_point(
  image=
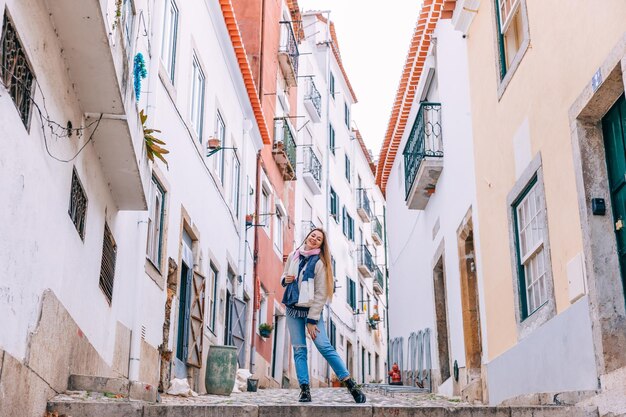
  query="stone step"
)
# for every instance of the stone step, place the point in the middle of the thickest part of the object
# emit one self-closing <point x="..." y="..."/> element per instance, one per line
<point x="125" y="408"/>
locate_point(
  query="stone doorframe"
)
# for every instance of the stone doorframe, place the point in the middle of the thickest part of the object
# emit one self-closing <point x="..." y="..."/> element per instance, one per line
<point x="606" y="294"/>
<point x="471" y="320"/>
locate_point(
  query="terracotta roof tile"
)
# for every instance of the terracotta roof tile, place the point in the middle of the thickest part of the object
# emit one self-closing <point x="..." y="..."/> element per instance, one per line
<point x="412" y="70"/>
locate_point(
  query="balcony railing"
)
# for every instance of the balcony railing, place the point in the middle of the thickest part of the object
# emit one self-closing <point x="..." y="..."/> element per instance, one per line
<point x="366" y="262"/>
<point x="379" y="282"/>
<point x="377" y="231"/>
<point x="288" y="53"/>
<point x="313" y="100"/>
<point x="285" y="148"/>
<point x="424" y="141"/>
<point x="312" y="171"/>
<point x="363" y="208"/>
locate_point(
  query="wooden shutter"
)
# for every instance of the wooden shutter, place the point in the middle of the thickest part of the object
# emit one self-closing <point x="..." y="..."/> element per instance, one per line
<point x="196" y="320"/>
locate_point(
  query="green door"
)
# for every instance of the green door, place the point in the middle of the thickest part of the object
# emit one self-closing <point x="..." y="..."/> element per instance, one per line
<point x="614" y="130"/>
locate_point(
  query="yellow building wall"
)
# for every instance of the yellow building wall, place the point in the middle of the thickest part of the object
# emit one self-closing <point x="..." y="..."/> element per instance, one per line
<point x="569" y="39"/>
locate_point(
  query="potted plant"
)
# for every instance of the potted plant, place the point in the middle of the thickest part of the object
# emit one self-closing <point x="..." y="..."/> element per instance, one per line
<point x="265" y="329"/>
<point x="249" y="220"/>
<point x="335" y="382"/>
<point x="214" y="143"/>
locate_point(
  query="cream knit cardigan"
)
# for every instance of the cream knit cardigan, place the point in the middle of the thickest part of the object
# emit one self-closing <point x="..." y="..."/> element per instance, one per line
<point x="320" y="298"/>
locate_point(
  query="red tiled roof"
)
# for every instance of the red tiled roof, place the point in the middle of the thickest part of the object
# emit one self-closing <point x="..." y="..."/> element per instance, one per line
<point x="418" y="49"/>
<point x="235" y="36"/>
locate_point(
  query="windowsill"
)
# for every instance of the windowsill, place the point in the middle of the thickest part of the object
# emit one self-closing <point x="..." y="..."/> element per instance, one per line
<point x="167" y="82"/>
<point x="504" y="82"/>
<point x="154" y="274"/>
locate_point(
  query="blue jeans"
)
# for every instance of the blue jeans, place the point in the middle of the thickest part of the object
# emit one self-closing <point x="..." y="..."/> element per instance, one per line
<point x="297" y="333"/>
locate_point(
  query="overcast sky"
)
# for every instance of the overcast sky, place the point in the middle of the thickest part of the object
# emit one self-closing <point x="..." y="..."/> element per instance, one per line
<point x="374" y="39"/>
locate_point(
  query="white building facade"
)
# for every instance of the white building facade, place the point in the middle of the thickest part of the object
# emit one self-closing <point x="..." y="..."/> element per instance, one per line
<point x="336" y="191"/>
<point x="430" y="189"/>
<point x="155" y="258"/>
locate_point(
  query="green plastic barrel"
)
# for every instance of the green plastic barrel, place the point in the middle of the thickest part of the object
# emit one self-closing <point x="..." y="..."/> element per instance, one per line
<point x="221" y="370"/>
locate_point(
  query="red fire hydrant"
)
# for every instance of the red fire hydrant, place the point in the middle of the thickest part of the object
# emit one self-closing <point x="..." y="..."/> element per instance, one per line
<point x="396" y="376"/>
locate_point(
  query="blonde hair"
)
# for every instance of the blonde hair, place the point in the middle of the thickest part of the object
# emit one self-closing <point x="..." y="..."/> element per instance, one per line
<point x="327" y="259"/>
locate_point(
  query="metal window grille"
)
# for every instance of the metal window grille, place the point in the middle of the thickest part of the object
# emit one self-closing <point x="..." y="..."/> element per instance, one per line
<point x="15" y="72"/>
<point x="107" y="270"/>
<point x="78" y="205"/>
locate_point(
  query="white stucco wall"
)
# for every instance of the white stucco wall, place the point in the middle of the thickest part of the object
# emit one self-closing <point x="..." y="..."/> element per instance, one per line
<point x="413" y="241"/>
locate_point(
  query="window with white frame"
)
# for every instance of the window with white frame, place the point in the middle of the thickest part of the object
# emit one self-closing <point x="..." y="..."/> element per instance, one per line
<point x="278" y="229"/>
<point x="331" y="85"/>
<point x="170" y="35"/>
<point x="235" y="178"/>
<point x="212" y="297"/>
<point x="197" y="97"/>
<point x="262" y="312"/>
<point x="530" y="240"/>
<point x="348" y="169"/>
<point x="129" y="19"/>
<point x="155" y="223"/>
<point x="265" y="207"/>
<point x="511" y="18"/>
<point x="347" y="115"/>
<point x="220" y="134"/>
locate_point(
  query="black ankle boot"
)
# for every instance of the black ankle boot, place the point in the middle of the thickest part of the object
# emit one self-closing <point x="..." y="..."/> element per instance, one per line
<point x="355" y="390"/>
<point x="305" y="393"/>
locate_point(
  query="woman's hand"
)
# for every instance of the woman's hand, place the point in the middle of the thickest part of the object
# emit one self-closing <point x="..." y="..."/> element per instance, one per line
<point x="289" y="279"/>
<point x="313" y="330"/>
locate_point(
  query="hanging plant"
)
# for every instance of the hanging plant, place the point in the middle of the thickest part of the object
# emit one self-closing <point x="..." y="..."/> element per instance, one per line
<point x="139" y="72"/>
<point x="118" y="13"/>
<point x="153" y="147"/>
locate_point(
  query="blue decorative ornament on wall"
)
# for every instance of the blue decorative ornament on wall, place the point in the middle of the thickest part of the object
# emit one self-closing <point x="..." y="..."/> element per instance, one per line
<point x="139" y="72"/>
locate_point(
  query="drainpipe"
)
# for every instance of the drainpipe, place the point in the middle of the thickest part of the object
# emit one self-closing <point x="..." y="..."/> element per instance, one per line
<point x="255" y="273"/>
<point x="386" y="285"/>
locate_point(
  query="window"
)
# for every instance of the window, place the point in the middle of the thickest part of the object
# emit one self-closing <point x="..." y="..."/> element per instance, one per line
<point x="334" y="204"/>
<point x="107" y="266"/>
<point x="369" y="363"/>
<point x="351" y="293"/>
<point x="197" y="98"/>
<point x="278" y="231"/>
<point x="129" y="18"/>
<point x="331" y="85"/>
<point x="333" y="334"/>
<point x="511" y="17"/>
<point x="347" y="115"/>
<point x="347" y="168"/>
<point x="155" y="223"/>
<point x="220" y="134"/>
<point x="265" y="207"/>
<point x="348" y="224"/>
<point x="212" y="294"/>
<point x="15" y="71"/>
<point x="170" y="35"/>
<point x="78" y="205"/>
<point x="234" y="195"/>
<point x="262" y="313"/>
<point x="331" y="138"/>
<point x="529" y="228"/>
<point x="333" y="264"/>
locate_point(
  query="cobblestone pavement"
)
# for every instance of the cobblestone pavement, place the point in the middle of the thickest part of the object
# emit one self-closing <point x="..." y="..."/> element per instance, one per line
<point x="325" y="396"/>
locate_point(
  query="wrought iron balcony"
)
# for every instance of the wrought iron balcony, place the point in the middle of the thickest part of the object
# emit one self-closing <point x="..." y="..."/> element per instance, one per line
<point x="284" y="150"/>
<point x="423" y="156"/>
<point x="366" y="263"/>
<point x="363" y="207"/>
<point x="379" y="281"/>
<point x="288" y="54"/>
<point x="377" y="231"/>
<point x="312" y="171"/>
<point x="313" y="101"/>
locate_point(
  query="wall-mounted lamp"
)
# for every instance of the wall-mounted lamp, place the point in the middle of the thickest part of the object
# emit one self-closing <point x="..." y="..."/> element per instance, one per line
<point x="214" y="146"/>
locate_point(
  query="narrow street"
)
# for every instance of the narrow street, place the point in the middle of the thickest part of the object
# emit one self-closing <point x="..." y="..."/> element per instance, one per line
<point x="328" y="402"/>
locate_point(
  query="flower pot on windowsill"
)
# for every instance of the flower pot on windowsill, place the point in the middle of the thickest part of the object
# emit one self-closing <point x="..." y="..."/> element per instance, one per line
<point x="214" y="143"/>
<point x="249" y="220"/>
<point x="265" y="330"/>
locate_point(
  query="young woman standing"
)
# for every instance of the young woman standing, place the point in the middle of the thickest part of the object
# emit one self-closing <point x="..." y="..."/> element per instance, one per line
<point x="305" y="316"/>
